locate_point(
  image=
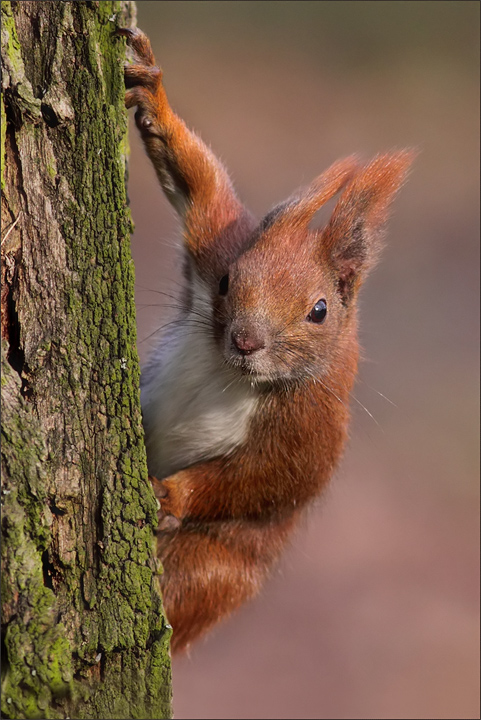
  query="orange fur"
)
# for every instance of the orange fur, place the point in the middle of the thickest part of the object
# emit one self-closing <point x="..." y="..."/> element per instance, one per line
<point x="234" y="512"/>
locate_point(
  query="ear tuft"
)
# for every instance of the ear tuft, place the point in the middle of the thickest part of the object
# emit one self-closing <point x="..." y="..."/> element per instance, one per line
<point x="298" y="210"/>
<point x="353" y="236"/>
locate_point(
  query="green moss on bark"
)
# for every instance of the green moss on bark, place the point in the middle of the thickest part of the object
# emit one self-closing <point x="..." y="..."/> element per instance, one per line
<point x="3" y="125"/>
<point x="39" y="668"/>
<point x="81" y="511"/>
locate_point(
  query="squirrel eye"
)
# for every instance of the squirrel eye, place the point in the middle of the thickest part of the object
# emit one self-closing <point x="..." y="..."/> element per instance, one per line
<point x="318" y="312"/>
<point x="224" y="285"/>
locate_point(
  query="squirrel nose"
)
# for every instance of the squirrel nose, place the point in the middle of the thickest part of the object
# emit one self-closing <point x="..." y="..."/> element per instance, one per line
<point x="247" y="341"/>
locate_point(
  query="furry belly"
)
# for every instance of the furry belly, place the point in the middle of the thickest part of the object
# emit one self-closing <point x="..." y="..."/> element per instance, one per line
<point x="194" y="408"/>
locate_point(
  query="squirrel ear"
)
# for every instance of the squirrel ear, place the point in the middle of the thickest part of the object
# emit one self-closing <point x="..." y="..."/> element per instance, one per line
<point x="353" y="236"/>
<point x="298" y="210"/>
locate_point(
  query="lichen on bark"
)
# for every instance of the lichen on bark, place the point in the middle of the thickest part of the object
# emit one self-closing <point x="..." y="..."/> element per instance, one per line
<point x="84" y="632"/>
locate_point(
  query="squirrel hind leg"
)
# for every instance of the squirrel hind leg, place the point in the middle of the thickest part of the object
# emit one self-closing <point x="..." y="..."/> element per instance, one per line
<point x="203" y="582"/>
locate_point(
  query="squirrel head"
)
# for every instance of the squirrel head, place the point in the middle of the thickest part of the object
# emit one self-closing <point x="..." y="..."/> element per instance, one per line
<point x="286" y="308"/>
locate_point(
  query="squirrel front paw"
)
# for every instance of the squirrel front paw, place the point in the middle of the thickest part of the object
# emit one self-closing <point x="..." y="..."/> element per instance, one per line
<point x="168" y="520"/>
<point x="143" y="80"/>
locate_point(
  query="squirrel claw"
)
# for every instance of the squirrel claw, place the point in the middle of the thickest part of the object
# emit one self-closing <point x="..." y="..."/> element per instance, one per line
<point x="139" y="42"/>
<point x="125" y="32"/>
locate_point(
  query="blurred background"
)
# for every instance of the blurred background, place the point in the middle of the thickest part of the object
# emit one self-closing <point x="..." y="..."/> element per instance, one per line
<point x="374" y="611"/>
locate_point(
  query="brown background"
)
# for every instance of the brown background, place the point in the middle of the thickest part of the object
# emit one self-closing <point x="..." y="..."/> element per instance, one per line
<point x="374" y="611"/>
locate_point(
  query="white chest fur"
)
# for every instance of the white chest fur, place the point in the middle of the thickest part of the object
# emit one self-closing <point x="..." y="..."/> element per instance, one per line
<point x="194" y="407"/>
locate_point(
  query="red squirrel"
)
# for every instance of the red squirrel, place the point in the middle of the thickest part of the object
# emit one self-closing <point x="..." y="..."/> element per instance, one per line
<point x="245" y="401"/>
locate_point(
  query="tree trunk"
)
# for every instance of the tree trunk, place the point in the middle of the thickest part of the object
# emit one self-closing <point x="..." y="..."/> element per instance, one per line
<point x="83" y="630"/>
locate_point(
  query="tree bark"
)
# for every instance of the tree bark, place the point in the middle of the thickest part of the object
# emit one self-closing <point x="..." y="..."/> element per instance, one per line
<point x="83" y="630"/>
